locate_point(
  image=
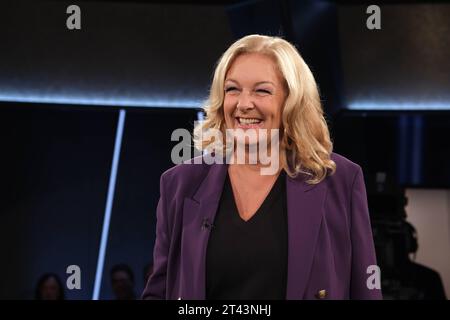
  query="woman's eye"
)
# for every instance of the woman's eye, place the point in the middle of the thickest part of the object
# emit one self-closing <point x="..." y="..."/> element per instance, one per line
<point x="263" y="91"/>
<point x="230" y="89"/>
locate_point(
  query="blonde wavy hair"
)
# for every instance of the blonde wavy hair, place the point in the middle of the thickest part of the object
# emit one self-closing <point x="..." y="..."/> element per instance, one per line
<point x="305" y="142"/>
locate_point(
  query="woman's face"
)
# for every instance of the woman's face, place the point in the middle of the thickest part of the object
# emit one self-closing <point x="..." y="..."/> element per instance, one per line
<point x="254" y="93"/>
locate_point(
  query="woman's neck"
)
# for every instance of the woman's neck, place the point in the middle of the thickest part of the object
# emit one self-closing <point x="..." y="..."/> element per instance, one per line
<point x="250" y="161"/>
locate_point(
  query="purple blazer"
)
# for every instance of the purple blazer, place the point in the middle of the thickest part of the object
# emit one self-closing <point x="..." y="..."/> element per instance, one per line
<point x="330" y="244"/>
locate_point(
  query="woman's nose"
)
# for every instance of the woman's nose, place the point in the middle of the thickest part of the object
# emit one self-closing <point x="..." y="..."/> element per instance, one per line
<point x="245" y="101"/>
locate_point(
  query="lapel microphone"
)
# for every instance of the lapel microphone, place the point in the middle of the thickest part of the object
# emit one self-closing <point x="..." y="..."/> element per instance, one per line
<point x="206" y="225"/>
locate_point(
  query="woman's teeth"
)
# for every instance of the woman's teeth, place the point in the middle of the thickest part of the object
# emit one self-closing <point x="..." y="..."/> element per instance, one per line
<point x="248" y="120"/>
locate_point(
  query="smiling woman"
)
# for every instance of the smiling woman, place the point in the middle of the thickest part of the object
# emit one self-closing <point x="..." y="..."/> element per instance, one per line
<point x="266" y="78"/>
<point x="226" y="231"/>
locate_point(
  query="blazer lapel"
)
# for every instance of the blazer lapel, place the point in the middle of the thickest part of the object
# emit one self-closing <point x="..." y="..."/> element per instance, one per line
<point x="305" y="205"/>
<point x="198" y="215"/>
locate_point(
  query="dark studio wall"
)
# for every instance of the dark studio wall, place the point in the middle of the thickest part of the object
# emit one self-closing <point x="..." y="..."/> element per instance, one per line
<point x="406" y="62"/>
<point x="56" y="158"/>
<point x="55" y="167"/>
<point x="55" y="171"/>
<point x="396" y="81"/>
<point x="126" y="53"/>
<point x="145" y="156"/>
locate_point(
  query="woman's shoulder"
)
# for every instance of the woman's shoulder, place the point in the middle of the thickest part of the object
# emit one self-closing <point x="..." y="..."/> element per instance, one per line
<point x="344" y="163"/>
<point x="186" y="173"/>
<point x="346" y="169"/>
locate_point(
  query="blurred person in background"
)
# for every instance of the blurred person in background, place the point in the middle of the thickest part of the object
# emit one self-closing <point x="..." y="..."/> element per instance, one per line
<point x="122" y="282"/>
<point x="49" y="287"/>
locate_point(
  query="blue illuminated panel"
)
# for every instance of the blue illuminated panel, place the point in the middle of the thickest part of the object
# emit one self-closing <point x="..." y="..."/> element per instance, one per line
<point x="101" y="101"/>
<point x="391" y="105"/>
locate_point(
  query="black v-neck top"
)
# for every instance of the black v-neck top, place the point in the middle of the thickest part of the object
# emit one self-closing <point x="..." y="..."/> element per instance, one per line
<point x="248" y="259"/>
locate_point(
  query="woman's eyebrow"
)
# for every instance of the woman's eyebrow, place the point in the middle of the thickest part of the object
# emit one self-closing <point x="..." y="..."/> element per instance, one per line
<point x="232" y="80"/>
<point x="257" y="83"/>
<point x="263" y="82"/>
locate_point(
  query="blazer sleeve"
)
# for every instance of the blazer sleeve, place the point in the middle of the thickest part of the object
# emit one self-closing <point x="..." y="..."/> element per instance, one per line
<point x="363" y="250"/>
<point x="156" y="284"/>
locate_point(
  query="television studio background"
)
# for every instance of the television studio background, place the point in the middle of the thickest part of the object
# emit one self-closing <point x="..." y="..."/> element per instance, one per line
<point x="87" y="116"/>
